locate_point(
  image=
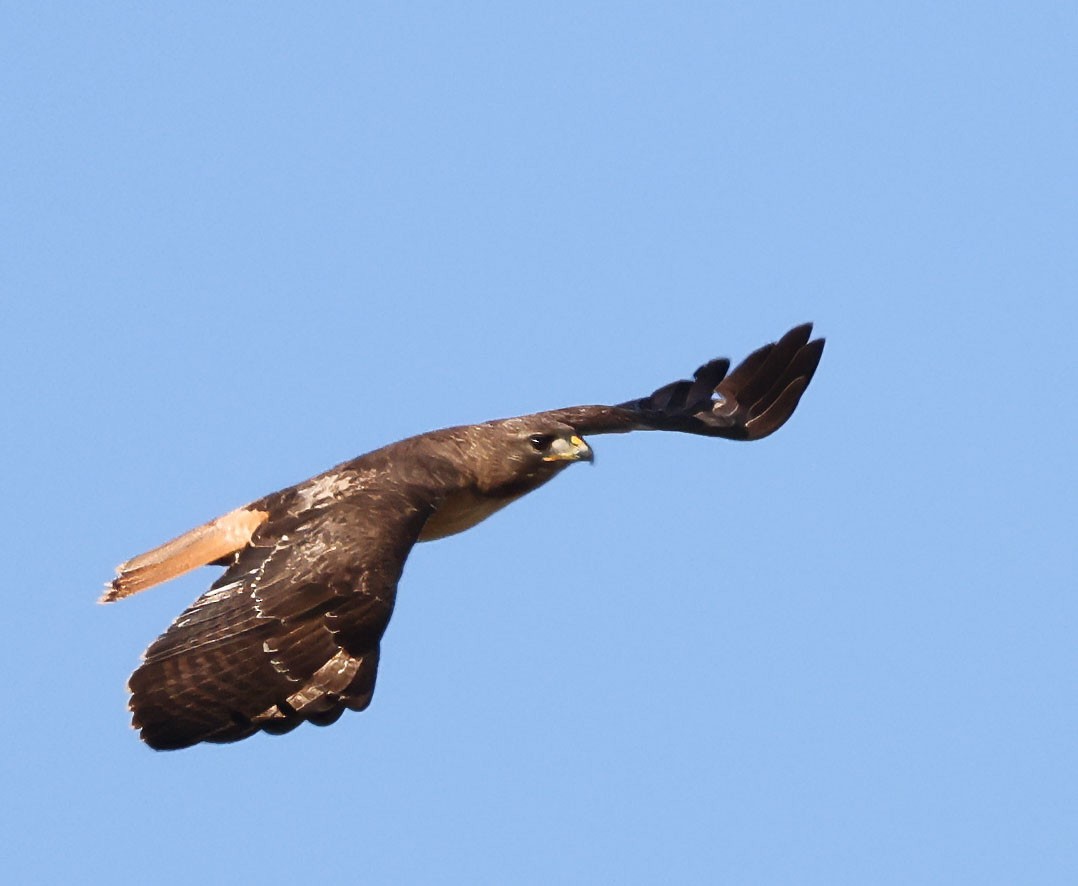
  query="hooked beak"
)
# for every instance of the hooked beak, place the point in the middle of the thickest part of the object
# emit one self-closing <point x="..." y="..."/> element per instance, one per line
<point x="573" y="449"/>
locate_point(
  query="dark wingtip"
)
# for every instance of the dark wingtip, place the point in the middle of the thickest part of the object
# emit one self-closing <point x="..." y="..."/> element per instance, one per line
<point x="778" y="412"/>
<point x="720" y="401"/>
<point x="763" y="391"/>
<point x="811" y="354"/>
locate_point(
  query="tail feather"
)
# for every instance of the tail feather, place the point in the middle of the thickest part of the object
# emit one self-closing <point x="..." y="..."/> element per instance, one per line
<point x="201" y="545"/>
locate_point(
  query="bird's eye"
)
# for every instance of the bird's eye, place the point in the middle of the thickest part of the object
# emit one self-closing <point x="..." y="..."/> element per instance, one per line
<point x="540" y="442"/>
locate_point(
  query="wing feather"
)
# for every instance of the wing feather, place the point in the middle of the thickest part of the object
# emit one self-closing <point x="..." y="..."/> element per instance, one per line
<point x="289" y="634"/>
<point x="752" y="401"/>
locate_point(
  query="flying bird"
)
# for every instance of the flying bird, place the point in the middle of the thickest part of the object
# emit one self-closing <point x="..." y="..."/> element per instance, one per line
<point x="291" y="631"/>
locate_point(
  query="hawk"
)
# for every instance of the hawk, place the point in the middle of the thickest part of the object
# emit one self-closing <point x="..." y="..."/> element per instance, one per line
<point x="291" y="632"/>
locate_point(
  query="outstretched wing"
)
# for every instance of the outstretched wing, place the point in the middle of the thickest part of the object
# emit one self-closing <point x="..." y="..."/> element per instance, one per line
<point x="749" y="403"/>
<point x="290" y="632"/>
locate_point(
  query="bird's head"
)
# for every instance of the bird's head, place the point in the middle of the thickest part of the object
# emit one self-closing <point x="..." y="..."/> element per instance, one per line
<point x="556" y="443"/>
<point x="529" y="450"/>
<point x="548" y="442"/>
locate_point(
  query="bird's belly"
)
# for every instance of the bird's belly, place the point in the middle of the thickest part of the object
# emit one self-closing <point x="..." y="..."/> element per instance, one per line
<point x="460" y="511"/>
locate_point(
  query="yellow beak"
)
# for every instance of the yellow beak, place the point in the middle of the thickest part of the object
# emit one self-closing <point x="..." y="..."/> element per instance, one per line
<point x="573" y="449"/>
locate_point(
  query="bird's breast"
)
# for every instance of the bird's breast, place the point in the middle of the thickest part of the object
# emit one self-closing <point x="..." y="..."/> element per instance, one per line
<point x="461" y="510"/>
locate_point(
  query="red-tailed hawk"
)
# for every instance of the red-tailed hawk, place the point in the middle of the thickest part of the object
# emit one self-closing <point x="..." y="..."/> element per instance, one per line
<point x="291" y="631"/>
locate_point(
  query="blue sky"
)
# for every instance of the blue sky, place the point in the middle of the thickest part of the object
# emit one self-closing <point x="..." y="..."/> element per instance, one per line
<point x="241" y="245"/>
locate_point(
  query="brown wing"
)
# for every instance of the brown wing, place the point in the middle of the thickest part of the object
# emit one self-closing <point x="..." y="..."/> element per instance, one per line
<point x="751" y="402"/>
<point x="290" y="632"/>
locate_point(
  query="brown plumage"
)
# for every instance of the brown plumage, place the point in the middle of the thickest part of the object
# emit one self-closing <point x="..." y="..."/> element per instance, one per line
<point x="291" y="631"/>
